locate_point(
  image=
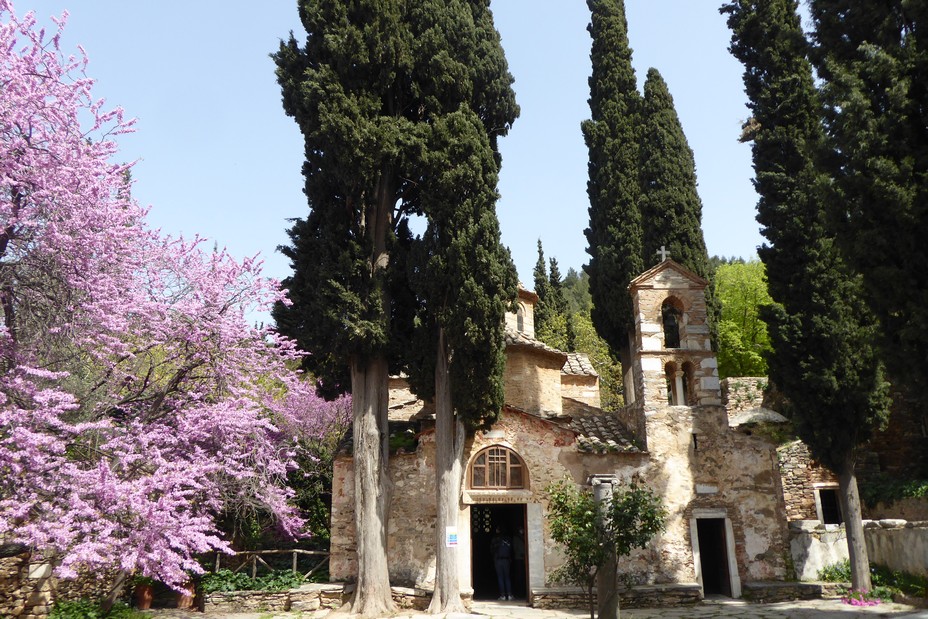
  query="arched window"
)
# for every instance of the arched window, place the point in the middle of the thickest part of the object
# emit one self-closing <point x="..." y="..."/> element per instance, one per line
<point x="520" y="319"/>
<point x="497" y="468"/>
<point x="672" y="315"/>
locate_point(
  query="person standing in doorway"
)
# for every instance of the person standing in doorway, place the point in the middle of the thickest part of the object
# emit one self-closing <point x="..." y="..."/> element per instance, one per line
<point x="501" y="547"/>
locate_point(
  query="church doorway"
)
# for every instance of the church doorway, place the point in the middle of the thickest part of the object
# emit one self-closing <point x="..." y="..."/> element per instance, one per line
<point x="484" y="522"/>
<point x="713" y="556"/>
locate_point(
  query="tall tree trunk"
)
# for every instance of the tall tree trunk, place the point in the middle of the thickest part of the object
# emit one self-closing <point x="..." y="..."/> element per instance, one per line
<point x="369" y="398"/>
<point x="853" y="526"/>
<point x="449" y="450"/>
<point x="607" y="595"/>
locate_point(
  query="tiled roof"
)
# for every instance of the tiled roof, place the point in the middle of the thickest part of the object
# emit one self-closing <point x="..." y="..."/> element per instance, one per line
<point x="519" y="339"/>
<point x="602" y="433"/>
<point x="578" y="364"/>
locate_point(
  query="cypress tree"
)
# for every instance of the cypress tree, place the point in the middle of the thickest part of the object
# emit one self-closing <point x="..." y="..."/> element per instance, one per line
<point x="873" y="59"/>
<point x="671" y="210"/>
<point x="543" y="314"/>
<point x="820" y="330"/>
<point x="556" y="287"/>
<point x="348" y="90"/>
<point x="464" y="277"/>
<point x="394" y="99"/>
<point x="559" y="301"/>
<point x="611" y="135"/>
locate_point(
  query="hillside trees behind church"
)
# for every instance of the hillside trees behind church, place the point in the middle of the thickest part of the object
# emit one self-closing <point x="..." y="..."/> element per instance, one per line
<point x="873" y="58"/>
<point x="571" y="328"/>
<point x="741" y="289"/>
<point x="553" y="320"/>
<point x="463" y="276"/>
<point x="822" y="333"/>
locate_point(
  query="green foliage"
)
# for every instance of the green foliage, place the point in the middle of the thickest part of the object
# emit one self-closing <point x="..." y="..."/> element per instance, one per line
<point x="885" y="581"/>
<point x="576" y="287"/>
<point x="590" y="533"/>
<point x="404" y="439"/>
<point x="872" y="58"/>
<point x="553" y="323"/>
<point x="821" y="332"/>
<point x="671" y="210"/>
<point x="612" y="135"/>
<point x="741" y="288"/>
<point x="573" y="518"/>
<point x="91" y="609"/>
<point x="587" y="340"/>
<point x="226" y="580"/>
<point x="887" y="490"/>
<point x="543" y="314"/>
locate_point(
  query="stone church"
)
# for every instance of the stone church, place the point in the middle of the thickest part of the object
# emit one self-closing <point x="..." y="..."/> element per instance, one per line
<point x="726" y="524"/>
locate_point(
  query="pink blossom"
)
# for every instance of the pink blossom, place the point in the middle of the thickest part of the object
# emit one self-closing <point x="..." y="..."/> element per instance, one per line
<point x="136" y="402"/>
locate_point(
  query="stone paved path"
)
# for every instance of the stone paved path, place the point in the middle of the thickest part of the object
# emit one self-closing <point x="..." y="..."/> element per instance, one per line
<point x="711" y="609"/>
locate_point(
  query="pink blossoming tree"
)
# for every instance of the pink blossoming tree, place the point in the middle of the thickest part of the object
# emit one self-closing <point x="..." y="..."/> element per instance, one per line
<point x="136" y="402"/>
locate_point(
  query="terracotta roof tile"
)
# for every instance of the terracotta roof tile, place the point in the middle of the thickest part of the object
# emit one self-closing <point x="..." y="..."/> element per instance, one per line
<point x="519" y="339"/>
<point x="578" y="364"/>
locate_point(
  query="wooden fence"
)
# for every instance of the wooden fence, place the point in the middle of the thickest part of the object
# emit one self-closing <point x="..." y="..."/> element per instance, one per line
<point x="254" y="557"/>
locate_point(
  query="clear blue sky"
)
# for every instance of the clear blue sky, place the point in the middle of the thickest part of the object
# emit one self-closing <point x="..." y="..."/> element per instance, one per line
<point x="218" y="157"/>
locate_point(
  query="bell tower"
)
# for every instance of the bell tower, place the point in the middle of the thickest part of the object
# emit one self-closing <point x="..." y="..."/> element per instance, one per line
<point x="673" y="357"/>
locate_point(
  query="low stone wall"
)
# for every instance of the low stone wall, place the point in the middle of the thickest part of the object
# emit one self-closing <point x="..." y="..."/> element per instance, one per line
<point x="307" y="598"/>
<point x="771" y="592"/>
<point x="28" y="588"/>
<point x="641" y="596"/>
<point x="911" y="509"/>
<point x="897" y="544"/>
<point x="310" y="597"/>
<point x="25" y="589"/>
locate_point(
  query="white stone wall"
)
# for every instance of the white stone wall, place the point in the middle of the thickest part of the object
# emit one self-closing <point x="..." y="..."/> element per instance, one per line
<point x="897" y="544"/>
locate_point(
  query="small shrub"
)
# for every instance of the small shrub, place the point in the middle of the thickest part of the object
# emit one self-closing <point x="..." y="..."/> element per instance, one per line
<point x="885" y="581"/>
<point x="837" y="572"/>
<point x="226" y="580"/>
<point x="90" y="609"/>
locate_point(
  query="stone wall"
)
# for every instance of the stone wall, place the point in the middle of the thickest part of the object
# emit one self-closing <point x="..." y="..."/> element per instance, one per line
<point x="582" y="388"/>
<point x="800" y="477"/>
<point x="308" y="598"/>
<point x="742" y="393"/>
<point x="550" y="454"/>
<point x="641" y="596"/>
<point x="28" y="588"/>
<point x="902" y="448"/>
<point x="701" y="467"/>
<point x="897" y="544"/>
<point x="533" y="381"/>
<point x="910" y="508"/>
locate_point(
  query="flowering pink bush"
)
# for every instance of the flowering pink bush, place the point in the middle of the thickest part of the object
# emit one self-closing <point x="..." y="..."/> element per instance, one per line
<point x="136" y="402"/>
<point x="860" y="598"/>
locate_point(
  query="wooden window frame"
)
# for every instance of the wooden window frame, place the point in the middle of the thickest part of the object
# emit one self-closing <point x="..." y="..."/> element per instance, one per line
<point x="497" y="463"/>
